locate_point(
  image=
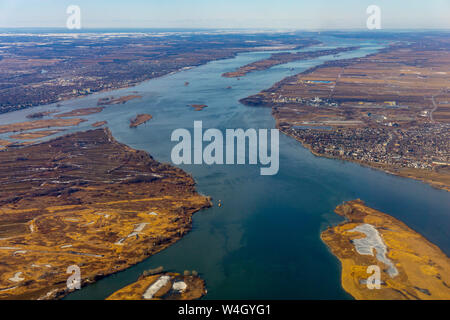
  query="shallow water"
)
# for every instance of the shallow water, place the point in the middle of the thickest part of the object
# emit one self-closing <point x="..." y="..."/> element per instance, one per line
<point x="264" y="242"/>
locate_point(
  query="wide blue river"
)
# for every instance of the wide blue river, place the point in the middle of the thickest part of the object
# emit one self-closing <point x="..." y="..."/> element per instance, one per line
<point x="264" y="242"/>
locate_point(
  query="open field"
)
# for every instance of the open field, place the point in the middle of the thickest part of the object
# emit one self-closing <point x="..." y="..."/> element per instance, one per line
<point x="86" y="200"/>
<point x="411" y="267"/>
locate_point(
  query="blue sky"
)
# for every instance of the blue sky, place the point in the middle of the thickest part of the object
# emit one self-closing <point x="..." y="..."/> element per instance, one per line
<point x="296" y="14"/>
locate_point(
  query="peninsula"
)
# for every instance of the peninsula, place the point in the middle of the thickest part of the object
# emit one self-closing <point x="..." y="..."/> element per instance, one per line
<point x="411" y="267"/>
<point x="87" y="200"/>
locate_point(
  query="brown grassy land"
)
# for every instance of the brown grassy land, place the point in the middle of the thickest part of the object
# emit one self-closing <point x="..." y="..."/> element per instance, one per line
<point x="87" y="200"/>
<point x="5" y="142"/>
<point x="424" y="270"/>
<point x="99" y="124"/>
<point x="39" y="124"/>
<point x="34" y="134"/>
<point x="80" y="112"/>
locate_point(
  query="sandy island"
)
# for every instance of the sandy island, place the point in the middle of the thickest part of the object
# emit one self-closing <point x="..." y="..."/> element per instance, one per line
<point x="140" y="119"/>
<point x="41" y="114"/>
<point x="80" y="112"/>
<point x="411" y="267"/>
<point x="163" y="286"/>
<point x="99" y="124"/>
<point x="39" y="124"/>
<point x="120" y="100"/>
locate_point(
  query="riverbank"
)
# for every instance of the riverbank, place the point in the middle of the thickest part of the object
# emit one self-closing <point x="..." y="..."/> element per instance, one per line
<point x="434" y="179"/>
<point x="377" y="126"/>
<point x="411" y="267"/>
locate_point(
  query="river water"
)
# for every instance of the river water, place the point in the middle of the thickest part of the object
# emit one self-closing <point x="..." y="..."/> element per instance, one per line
<point x="264" y="242"/>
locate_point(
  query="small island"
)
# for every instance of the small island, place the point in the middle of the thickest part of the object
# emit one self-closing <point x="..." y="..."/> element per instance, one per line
<point x="80" y="112"/>
<point x="411" y="267"/>
<point x="121" y="100"/>
<point x="40" y="124"/>
<point x="38" y="115"/>
<point x="99" y="124"/>
<point x="159" y="285"/>
<point x="199" y="107"/>
<point x="140" y="119"/>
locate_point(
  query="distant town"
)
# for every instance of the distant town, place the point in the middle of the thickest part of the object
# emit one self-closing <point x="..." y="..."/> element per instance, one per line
<point x="50" y="68"/>
<point x="389" y="110"/>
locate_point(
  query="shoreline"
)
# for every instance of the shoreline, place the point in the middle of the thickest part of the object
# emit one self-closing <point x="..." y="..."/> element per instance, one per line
<point x="305" y="98"/>
<point x="431" y="183"/>
<point x="135" y="84"/>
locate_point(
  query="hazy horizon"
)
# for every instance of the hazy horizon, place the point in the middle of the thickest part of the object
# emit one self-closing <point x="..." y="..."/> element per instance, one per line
<point x="231" y="14"/>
